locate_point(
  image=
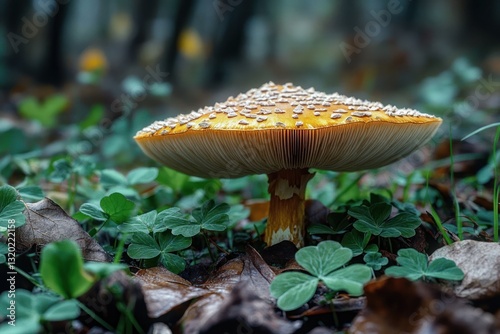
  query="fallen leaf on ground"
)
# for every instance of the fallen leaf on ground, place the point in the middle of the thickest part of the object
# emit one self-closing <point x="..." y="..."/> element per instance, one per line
<point x="243" y="311"/>
<point x="248" y="271"/>
<point x="164" y="290"/>
<point x="47" y="222"/>
<point x="397" y="305"/>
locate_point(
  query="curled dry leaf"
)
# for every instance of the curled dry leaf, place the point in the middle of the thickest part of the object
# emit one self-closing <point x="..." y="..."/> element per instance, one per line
<point x="480" y="262"/>
<point x="253" y="275"/>
<point x="243" y="311"/>
<point x="397" y="305"/>
<point x="167" y="293"/>
<point x="47" y="222"/>
<point x="164" y="290"/>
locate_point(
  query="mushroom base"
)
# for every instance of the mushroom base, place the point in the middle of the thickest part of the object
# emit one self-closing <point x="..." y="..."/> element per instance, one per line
<point x="287" y="207"/>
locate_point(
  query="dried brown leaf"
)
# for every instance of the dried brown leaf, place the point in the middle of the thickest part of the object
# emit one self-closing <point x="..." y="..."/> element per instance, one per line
<point x="47" y="222"/>
<point x="250" y="272"/>
<point x="396" y="305"/>
<point x="164" y="290"/>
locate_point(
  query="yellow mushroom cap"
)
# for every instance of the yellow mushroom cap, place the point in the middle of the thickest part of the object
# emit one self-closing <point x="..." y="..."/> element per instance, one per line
<point x="278" y="127"/>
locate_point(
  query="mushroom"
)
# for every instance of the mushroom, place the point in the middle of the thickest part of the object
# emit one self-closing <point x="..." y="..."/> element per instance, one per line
<point x="283" y="131"/>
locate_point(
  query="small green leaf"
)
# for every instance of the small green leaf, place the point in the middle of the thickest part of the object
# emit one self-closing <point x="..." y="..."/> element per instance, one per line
<point x="172" y="262"/>
<point x="374" y="220"/>
<point x="25" y="305"/>
<point x="350" y="279"/>
<point x="143" y="223"/>
<point x="93" y="211"/>
<point x="322" y="259"/>
<point x="322" y="229"/>
<point x="23" y="326"/>
<point x="143" y="246"/>
<point x="405" y="223"/>
<point x="356" y="241"/>
<point x="110" y="177"/>
<point x="173" y="179"/>
<point x="31" y="193"/>
<point x="117" y="206"/>
<point x="375" y="260"/>
<point x="8" y="195"/>
<point x="64" y="310"/>
<point x="13" y="212"/>
<point x="444" y="269"/>
<point x="172" y="243"/>
<point x="62" y="171"/>
<point x="212" y="217"/>
<point x="176" y="221"/>
<point x="142" y="175"/>
<point x="11" y="209"/>
<point x="103" y="269"/>
<point x="61" y="268"/>
<point x="414" y="266"/>
<point x="293" y="289"/>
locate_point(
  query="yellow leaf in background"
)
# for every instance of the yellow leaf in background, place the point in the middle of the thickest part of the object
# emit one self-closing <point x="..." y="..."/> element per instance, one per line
<point x="190" y="44"/>
<point x="93" y="59"/>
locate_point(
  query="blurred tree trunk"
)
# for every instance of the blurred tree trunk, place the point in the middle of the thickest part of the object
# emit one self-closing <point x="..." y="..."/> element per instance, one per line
<point x="22" y="30"/>
<point x="229" y="39"/>
<point x="52" y="65"/>
<point x="13" y="12"/>
<point x="181" y="19"/>
<point x="144" y="13"/>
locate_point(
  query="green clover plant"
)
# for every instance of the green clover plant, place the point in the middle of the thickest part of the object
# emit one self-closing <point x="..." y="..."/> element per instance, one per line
<point x="11" y="209"/>
<point x="375" y="219"/>
<point x="414" y="266"/>
<point x="160" y="245"/>
<point x="324" y="263"/>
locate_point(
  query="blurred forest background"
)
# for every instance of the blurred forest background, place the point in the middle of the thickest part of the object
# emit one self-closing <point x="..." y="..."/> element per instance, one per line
<point x="86" y="75"/>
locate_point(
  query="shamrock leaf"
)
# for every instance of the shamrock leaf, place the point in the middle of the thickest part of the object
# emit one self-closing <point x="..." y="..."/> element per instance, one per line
<point x="11" y="209"/>
<point x="375" y="260"/>
<point x="209" y="217"/>
<point x="375" y="220"/>
<point x="117" y="207"/>
<point x="338" y="223"/>
<point x="61" y="268"/>
<point x="144" y="223"/>
<point x="144" y="246"/>
<point x="358" y="242"/>
<point x="293" y="289"/>
<point x="414" y="266"/>
<point x="323" y="262"/>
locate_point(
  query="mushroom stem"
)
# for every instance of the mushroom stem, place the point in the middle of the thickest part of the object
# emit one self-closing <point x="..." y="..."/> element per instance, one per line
<point x="286" y="210"/>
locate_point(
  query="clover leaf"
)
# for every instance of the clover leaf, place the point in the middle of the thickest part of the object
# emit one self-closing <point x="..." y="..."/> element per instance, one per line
<point x="115" y="207"/>
<point x="32" y="310"/>
<point x="358" y="242"/>
<point x="144" y="223"/>
<point x="142" y="175"/>
<point x="323" y="262"/>
<point x="11" y="209"/>
<point x="375" y="220"/>
<point x="144" y="246"/>
<point x="209" y="217"/>
<point x="375" y="260"/>
<point x="61" y="268"/>
<point x="414" y="266"/>
<point x="338" y="223"/>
